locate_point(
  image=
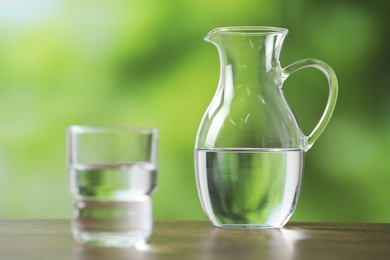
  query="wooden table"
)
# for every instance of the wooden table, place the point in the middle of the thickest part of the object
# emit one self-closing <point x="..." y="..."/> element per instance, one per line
<point x="51" y="239"/>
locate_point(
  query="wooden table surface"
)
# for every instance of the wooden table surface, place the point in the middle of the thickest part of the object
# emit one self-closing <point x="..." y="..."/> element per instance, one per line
<point x="51" y="239"/>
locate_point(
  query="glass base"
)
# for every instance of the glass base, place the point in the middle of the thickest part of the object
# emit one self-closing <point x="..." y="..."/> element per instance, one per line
<point x="112" y="223"/>
<point x="110" y="239"/>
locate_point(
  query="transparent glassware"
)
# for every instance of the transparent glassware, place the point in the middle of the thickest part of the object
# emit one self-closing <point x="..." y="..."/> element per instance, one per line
<point x="249" y="149"/>
<point x="112" y="175"/>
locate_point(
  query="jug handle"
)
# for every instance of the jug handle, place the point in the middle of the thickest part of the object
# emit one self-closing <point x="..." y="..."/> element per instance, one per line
<point x="333" y="91"/>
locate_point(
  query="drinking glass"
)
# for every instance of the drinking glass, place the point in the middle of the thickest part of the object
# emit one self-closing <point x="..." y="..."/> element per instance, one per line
<point x="112" y="174"/>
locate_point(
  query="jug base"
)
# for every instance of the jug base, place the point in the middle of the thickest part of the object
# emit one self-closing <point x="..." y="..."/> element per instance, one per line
<point x="246" y="226"/>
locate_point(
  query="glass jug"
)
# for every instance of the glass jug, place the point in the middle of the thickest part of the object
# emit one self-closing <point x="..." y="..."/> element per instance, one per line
<point x="249" y="148"/>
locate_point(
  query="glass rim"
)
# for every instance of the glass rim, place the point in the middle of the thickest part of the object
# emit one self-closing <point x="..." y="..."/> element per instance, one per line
<point x="79" y="129"/>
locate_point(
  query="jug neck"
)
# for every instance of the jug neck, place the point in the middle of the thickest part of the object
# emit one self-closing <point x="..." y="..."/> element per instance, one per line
<point x="248" y="50"/>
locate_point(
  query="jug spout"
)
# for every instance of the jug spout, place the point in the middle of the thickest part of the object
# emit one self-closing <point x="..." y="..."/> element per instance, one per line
<point x="212" y="36"/>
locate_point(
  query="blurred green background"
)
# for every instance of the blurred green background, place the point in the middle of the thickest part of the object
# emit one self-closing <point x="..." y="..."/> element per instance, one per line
<point x="144" y="63"/>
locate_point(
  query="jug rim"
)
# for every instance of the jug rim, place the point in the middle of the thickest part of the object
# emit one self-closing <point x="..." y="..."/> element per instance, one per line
<point x="248" y="30"/>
